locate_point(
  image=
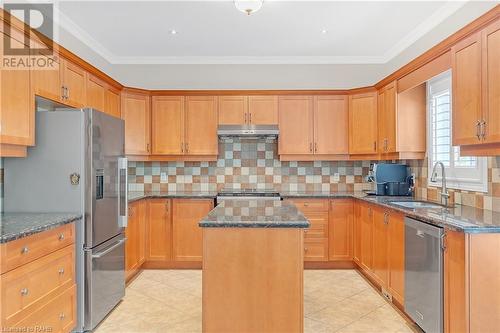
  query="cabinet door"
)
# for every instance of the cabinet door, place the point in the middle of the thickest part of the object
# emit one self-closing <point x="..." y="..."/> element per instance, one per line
<point x="96" y="93"/>
<point x="331" y="125"/>
<point x="387" y="119"/>
<point x="363" y="133"/>
<point x="132" y="244"/>
<point x="137" y="116"/>
<point x="187" y="235"/>
<point x="396" y="252"/>
<point x="491" y="82"/>
<point x="356" y="251"/>
<point x="263" y="110"/>
<point x="201" y="125"/>
<point x="47" y="82"/>
<point x="17" y="113"/>
<point x="74" y="79"/>
<point x="142" y="207"/>
<point x="366" y="215"/>
<point x="112" y="102"/>
<point x="167" y="125"/>
<point x="380" y="260"/>
<point x="296" y="125"/>
<point x="159" y="230"/>
<point x="340" y="229"/>
<point x="233" y="110"/>
<point x="466" y="81"/>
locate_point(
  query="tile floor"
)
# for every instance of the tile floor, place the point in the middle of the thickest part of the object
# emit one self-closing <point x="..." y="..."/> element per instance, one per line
<point x="334" y="301"/>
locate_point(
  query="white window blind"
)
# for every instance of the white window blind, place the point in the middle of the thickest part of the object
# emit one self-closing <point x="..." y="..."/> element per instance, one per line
<point x="466" y="173"/>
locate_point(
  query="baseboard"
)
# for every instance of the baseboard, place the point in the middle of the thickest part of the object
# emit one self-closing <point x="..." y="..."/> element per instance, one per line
<point x="341" y="264"/>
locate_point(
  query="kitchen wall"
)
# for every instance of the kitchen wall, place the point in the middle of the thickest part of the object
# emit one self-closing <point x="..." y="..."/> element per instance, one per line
<point x="249" y="163"/>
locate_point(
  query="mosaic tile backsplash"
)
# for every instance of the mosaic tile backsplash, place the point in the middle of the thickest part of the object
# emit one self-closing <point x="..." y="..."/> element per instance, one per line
<point x="249" y="163"/>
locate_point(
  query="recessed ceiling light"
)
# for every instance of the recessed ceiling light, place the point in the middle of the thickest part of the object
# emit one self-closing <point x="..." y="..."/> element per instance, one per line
<point x="173" y="32"/>
<point x="324" y="31"/>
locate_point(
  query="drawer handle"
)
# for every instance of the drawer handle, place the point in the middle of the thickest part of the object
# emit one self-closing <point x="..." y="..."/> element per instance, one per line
<point x="61" y="271"/>
<point x="62" y="316"/>
<point x="24" y="292"/>
<point x="61" y="237"/>
<point x="305" y="249"/>
<point x="306" y="204"/>
<point x="25" y="250"/>
<point x="305" y="231"/>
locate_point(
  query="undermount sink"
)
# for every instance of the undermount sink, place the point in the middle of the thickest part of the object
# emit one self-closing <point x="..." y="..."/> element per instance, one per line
<point x="417" y="204"/>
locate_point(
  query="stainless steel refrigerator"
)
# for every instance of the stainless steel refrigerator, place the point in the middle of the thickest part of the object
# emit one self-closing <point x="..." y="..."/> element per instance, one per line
<point x="79" y="165"/>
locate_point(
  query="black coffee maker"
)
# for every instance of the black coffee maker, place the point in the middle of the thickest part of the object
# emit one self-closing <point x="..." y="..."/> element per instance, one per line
<point x="392" y="179"/>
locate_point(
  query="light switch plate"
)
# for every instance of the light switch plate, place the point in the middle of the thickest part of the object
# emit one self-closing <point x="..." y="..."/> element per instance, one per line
<point x="163" y="177"/>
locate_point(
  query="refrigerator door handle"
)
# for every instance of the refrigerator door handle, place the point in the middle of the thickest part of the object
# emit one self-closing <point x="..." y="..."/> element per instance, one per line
<point x="109" y="249"/>
<point x="123" y="192"/>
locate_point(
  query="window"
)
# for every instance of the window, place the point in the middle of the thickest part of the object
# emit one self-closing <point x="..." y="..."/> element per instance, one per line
<point x="464" y="173"/>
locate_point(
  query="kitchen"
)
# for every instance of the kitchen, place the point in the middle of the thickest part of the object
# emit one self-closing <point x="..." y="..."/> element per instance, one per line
<point x="218" y="188"/>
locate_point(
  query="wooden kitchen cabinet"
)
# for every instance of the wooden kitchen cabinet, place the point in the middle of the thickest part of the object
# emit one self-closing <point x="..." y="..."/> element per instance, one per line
<point x="248" y="110"/>
<point x="186" y="233"/>
<point x="159" y="230"/>
<point x="136" y="113"/>
<point x="17" y="114"/>
<point x="263" y="110"/>
<point x="356" y="231"/>
<point x="313" y="127"/>
<point x="380" y="238"/>
<point x="396" y="256"/>
<point x="316" y="241"/>
<point x="201" y="126"/>
<point x="96" y="91"/>
<point x="363" y="130"/>
<point x="340" y="229"/>
<point x="112" y="100"/>
<point x="366" y="236"/>
<point x="387" y="118"/>
<point x="74" y="86"/>
<point x="331" y="125"/>
<point x="47" y="82"/>
<point x="233" y="110"/>
<point x="296" y="125"/>
<point x="135" y="232"/>
<point x="476" y="91"/>
<point x="167" y="125"/>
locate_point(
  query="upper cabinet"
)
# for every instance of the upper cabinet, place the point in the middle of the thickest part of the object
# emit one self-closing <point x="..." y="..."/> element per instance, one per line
<point x="363" y="135"/>
<point x="476" y="92"/>
<point x="102" y="96"/>
<point x="313" y="127"/>
<point x="184" y="126"/>
<point x="112" y="101"/>
<point x="248" y="110"/>
<point x="402" y="122"/>
<point x="136" y="113"/>
<point x="201" y="125"/>
<point x="73" y="78"/>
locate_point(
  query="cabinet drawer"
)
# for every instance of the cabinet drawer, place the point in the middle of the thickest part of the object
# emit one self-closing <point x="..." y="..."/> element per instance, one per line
<point x="316" y="249"/>
<point x="22" y="251"/>
<point x="26" y="287"/>
<point x="316" y="230"/>
<point x="57" y="315"/>
<point x="311" y="205"/>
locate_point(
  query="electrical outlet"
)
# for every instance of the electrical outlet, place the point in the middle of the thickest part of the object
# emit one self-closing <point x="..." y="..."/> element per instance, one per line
<point x="336" y="177"/>
<point x="163" y="177"/>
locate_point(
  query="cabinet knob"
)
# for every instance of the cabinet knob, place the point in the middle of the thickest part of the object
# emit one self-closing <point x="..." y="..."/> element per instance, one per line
<point x="61" y="237"/>
<point x="24" y="292"/>
<point x="305" y="249"/>
<point x="61" y="271"/>
<point x="478" y="129"/>
<point x="306" y="204"/>
<point x="25" y="250"/>
<point x="311" y="147"/>
<point x="305" y="231"/>
<point x="62" y="316"/>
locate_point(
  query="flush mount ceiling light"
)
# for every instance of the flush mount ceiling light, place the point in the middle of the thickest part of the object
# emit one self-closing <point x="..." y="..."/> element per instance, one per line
<point x="248" y="6"/>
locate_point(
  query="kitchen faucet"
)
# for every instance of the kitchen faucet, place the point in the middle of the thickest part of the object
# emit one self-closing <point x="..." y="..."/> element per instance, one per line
<point x="444" y="191"/>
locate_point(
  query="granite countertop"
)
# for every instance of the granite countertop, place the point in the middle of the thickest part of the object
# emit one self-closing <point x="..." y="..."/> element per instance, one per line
<point x="18" y="225"/>
<point x="258" y="213"/>
<point x="134" y="196"/>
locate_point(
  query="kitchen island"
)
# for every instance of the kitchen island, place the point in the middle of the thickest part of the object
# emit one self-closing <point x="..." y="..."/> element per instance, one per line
<point x="253" y="267"/>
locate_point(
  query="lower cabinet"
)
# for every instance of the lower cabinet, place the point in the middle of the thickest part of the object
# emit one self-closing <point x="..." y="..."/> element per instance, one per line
<point x="135" y="232"/>
<point x="366" y="235"/>
<point x="340" y="244"/>
<point x="159" y="230"/>
<point x="380" y="261"/>
<point x="187" y="241"/>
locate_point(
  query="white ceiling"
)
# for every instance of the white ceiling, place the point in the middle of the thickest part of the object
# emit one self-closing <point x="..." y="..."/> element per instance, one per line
<point x="214" y="32"/>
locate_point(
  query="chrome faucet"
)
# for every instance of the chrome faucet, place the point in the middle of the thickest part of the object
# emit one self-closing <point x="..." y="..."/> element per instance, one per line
<point x="444" y="191"/>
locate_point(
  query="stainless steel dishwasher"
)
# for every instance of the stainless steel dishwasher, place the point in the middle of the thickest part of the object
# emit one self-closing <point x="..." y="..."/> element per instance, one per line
<point x="424" y="274"/>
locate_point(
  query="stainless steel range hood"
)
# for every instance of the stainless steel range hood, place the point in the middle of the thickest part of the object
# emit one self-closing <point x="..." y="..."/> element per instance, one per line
<point x="248" y="130"/>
